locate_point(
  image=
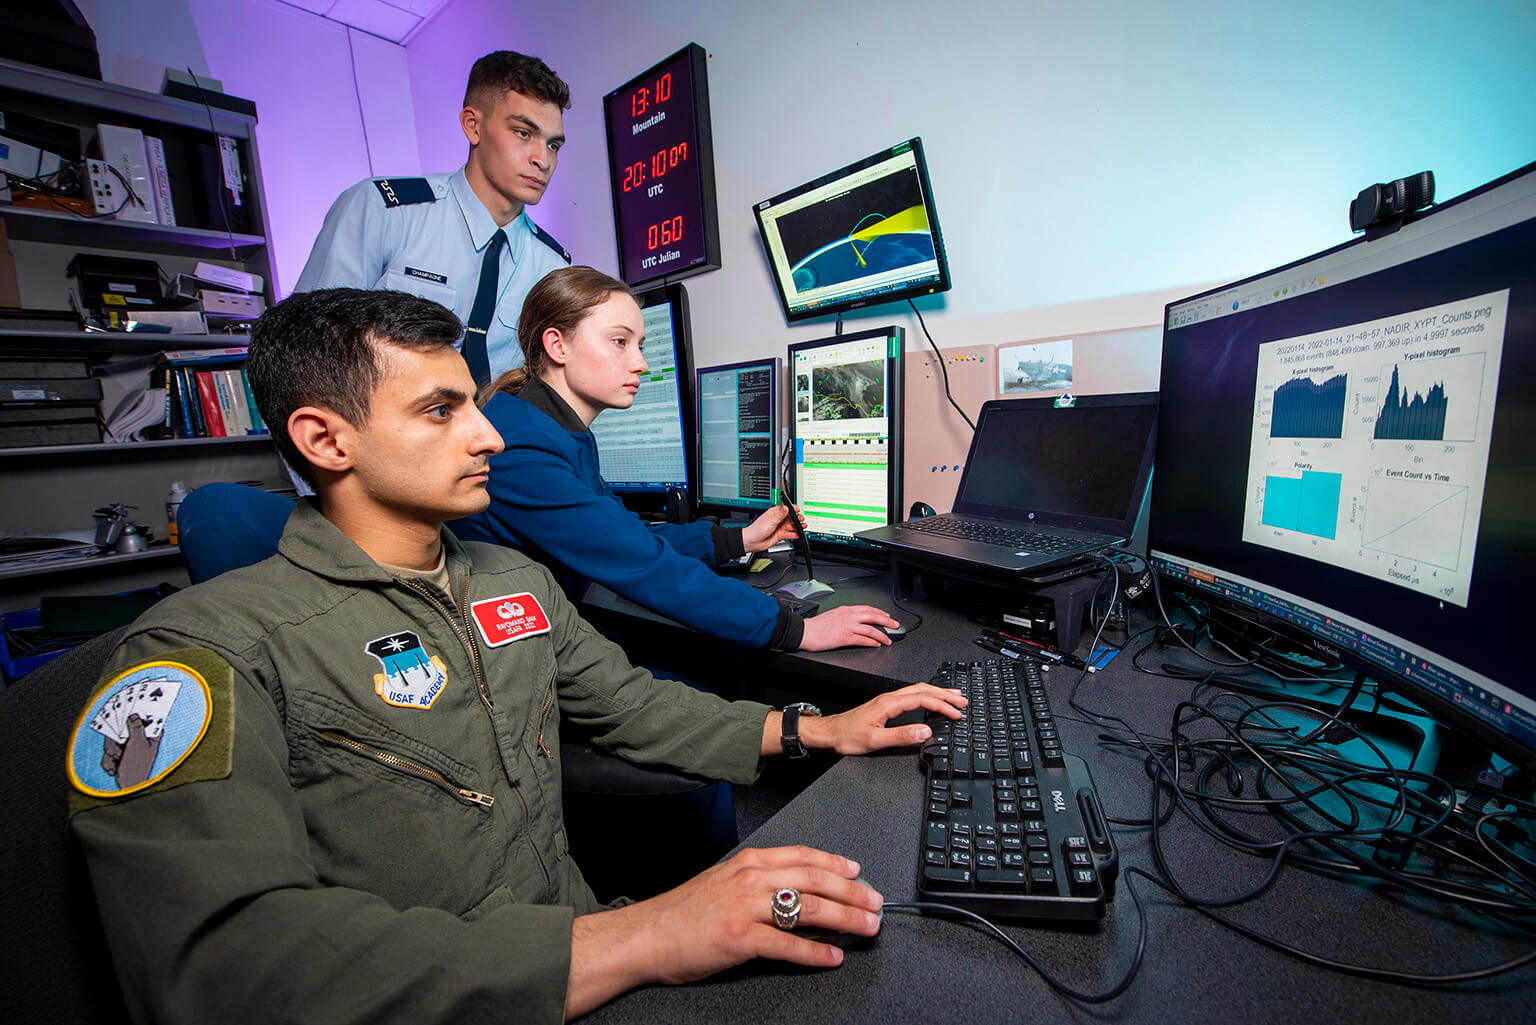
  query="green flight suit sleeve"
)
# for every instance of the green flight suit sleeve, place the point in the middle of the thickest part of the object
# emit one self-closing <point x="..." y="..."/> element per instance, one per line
<point x="214" y="912"/>
<point x="648" y="720"/>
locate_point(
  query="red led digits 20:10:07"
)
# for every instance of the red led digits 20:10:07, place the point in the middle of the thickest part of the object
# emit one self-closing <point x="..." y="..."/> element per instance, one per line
<point x="659" y="164"/>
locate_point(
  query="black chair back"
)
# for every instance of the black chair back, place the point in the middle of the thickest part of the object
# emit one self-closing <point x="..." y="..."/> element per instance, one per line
<point x="55" y="955"/>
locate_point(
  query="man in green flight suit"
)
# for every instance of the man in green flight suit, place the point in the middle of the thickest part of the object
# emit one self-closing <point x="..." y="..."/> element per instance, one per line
<point x="351" y="809"/>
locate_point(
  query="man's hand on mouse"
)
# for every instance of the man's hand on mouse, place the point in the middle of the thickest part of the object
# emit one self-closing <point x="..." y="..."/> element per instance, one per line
<point x="723" y="916"/>
<point x="863" y="729"/>
<point x="847" y="626"/>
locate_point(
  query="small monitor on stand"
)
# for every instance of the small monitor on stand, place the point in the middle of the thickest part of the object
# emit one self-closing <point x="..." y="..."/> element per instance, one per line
<point x="845" y="439"/>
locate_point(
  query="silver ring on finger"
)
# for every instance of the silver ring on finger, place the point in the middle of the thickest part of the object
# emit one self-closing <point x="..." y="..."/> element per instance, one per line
<point x="786" y="907"/>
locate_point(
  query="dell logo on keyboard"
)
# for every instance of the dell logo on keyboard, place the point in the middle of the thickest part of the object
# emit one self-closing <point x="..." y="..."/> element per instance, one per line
<point x="1058" y="802"/>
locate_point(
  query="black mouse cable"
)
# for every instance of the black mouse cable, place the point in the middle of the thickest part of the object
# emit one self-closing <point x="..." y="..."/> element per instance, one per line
<point x="942" y="369"/>
<point x="1050" y="980"/>
<point x="1364" y="971"/>
<point x="916" y="616"/>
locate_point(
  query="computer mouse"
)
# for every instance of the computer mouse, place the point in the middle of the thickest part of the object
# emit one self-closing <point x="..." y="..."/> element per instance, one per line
<point x="895" y="633"/>
<point x="919" y="510"/>
<point x="842" y="939"/>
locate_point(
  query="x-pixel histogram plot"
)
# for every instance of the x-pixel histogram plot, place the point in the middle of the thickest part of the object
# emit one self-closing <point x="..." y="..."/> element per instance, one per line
<point x="1304" y="408"/>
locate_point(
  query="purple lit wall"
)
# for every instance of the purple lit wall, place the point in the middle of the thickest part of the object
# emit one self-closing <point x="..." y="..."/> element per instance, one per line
<point x="317" y="126"/>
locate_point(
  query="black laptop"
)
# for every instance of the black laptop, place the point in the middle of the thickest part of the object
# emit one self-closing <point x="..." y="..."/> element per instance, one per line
<point x="1048" y="482"/>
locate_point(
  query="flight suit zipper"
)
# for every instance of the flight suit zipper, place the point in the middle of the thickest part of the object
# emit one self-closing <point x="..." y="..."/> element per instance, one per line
<point x="410" y="768"/>
<point x="467" y="638"/>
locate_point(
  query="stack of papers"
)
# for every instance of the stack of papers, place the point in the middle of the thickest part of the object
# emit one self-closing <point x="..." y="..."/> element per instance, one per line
<point x="140" y="408"/>
<point x="21" y="551"/>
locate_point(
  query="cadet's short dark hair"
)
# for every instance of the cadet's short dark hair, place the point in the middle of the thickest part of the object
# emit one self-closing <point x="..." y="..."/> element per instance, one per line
<point x="495" y="73"/>
<point x="323" y="349"/>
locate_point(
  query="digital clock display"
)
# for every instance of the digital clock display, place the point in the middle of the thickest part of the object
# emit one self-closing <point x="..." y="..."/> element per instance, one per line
<point x="662" y="171"/>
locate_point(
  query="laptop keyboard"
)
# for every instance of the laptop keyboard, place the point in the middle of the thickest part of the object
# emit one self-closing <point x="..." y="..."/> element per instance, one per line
<point x="1012" y="825"/>
<point x="995" y="534"/>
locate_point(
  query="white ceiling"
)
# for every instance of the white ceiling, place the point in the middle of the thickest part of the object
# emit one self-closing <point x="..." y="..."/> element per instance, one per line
<point x="394" y="20"/>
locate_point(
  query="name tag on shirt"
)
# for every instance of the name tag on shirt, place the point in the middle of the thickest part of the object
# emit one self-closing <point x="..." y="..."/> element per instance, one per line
<point x="426" y="275"/>
<point x="509" y="618"/>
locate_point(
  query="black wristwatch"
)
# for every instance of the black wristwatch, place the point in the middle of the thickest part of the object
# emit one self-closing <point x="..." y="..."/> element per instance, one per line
<point x="789" y="730"/>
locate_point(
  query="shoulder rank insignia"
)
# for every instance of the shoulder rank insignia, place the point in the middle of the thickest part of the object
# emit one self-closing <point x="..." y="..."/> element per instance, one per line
<point x="138" y="728"/>
<point x="405" y="191"/>
<point x="411" y="678"/>
<point x="545" y="237"/>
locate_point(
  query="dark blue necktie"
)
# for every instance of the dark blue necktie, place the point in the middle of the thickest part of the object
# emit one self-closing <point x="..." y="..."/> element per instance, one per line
<point x="480" y="313"/>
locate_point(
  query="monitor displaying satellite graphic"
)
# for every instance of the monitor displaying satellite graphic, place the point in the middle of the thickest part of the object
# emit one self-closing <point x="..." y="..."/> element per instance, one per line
<point x="862" y="235"/>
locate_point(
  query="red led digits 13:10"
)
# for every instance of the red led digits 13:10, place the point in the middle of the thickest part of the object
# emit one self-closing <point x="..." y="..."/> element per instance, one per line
<point x="648" y="96"/>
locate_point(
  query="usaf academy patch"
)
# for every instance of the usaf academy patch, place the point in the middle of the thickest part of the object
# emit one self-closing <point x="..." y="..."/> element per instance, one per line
<point x="411" y="678"/>
<point x="143" y="724"/>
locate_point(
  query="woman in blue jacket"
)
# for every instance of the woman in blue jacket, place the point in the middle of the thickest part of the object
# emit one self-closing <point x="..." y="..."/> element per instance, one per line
<point x="581" y="333"/>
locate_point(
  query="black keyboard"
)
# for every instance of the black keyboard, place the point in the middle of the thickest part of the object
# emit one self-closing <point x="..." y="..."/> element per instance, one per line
<point x="1012" y="825"/>
<point x="994" y="534"/>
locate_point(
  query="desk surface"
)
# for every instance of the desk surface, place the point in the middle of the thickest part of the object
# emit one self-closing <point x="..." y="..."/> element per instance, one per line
<point x="925" y="968"/>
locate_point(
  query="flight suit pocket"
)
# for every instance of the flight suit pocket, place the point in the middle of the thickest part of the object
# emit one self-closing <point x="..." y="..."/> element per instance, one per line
<point x="442" y="294"/>
<point x="392" y="816"/>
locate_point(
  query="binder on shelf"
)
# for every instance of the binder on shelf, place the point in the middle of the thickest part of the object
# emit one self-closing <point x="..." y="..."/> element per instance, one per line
<point x="15" y="367"/>
<point x="50" y="424"/>
<point x="160" y="179"/>
<point x="257" y="422"/>
<point x="49" y="389"/>
<point x="208" y="403"/>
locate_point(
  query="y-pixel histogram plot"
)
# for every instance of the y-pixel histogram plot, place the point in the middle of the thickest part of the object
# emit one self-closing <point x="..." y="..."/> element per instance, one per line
<point x="1414" y="519"/>
<point x="1431" y="399"/>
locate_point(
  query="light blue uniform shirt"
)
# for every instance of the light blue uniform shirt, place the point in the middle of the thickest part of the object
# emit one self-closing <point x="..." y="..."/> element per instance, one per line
<point x="384" y="233"/>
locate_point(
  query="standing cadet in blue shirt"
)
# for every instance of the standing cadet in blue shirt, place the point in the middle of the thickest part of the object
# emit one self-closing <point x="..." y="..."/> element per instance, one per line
<point x="463" y="240"/>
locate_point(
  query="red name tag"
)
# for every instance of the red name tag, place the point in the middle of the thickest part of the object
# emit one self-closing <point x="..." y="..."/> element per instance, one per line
<point x="508" y="618"/>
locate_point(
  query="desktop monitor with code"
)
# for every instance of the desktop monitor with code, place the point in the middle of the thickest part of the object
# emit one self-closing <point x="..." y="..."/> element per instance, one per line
<point x="643" y="451"/>
<point x="845" y="433"/>
<point x="738" y="418"/>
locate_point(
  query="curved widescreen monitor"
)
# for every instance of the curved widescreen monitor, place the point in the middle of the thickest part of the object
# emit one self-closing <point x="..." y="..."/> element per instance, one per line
<point x="738" y="418"/>
<point x="865" y="234"/>
<point x="644" y="451"/>
<point x="1344" y="453"/>
<point x="845" y="423"/>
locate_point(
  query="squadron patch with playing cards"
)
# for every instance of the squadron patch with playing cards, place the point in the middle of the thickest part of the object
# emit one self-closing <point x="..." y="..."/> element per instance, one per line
<point x="148" y="720"/>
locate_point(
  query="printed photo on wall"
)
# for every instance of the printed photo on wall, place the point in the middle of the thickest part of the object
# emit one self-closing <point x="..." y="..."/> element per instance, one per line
<point x="1039" y="366"/>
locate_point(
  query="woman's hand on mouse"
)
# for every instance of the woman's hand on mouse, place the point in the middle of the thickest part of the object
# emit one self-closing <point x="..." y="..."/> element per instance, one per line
<point x="847" y="626"/>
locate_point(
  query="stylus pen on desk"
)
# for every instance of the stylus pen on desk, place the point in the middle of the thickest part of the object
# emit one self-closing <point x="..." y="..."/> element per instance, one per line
<point x="990" y="645"/>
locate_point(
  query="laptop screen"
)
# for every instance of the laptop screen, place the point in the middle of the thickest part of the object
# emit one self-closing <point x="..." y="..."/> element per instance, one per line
<point x="1083" y="466"/>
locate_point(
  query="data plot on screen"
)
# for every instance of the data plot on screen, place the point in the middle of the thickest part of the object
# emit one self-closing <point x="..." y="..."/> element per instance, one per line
<point x="1417" y="520"/>
<point x="1303" y="408"/>
<point x="1432" y="400"/>
<point x="1369" y="443"/>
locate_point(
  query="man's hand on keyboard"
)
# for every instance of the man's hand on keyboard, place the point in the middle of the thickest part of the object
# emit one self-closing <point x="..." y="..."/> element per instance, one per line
<point x="863" y="729"/>
<point x="847" y="626"/>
